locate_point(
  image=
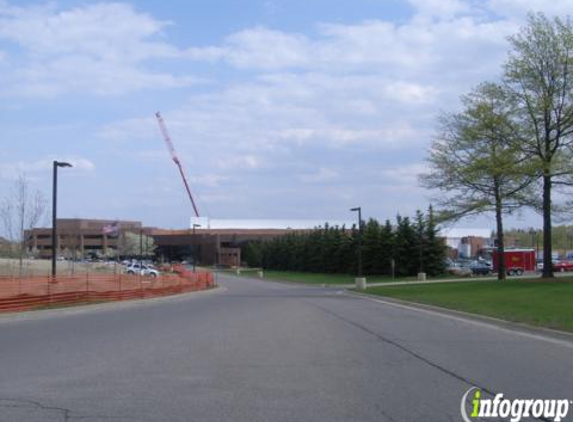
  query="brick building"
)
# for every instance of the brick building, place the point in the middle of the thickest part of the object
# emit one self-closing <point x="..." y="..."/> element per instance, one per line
<point x="79" y="237"/>
<point x="83" y="237"/>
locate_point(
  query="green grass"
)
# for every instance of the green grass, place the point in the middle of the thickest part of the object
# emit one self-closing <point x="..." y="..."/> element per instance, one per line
<point x="67" y="305"/>
<point x="318" y="278"/>
<point x="541" y="303"/>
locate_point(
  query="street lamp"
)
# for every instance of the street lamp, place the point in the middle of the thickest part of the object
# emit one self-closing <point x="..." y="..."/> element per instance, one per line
<point x="360" y="281"/>
<point x="54" y="213"/>
<point x="194" y="246"/>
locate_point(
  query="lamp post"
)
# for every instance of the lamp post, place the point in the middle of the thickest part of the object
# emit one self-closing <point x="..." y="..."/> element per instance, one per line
<point x="195" y="246"/>
<point x="54" y="213"/>
<point x="360" y="280"/>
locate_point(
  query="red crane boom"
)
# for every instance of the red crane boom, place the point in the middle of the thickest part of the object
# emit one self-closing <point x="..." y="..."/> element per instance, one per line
<point x="175" y="159"/>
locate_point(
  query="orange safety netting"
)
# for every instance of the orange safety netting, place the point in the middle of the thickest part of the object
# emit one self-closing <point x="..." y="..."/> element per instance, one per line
<point x="17" y="294"/>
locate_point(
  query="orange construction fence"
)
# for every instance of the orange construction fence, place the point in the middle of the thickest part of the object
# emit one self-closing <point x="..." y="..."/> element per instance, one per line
<point x="18" y="294"/>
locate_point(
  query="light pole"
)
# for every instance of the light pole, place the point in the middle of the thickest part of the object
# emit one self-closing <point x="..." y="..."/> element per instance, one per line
<point x="55" y="213"/>
<point x="360" y="281"/>
<point x="195" y="246"/>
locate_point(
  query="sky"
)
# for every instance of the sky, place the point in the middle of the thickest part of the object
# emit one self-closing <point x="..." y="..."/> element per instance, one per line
<point x="287" y="109"/>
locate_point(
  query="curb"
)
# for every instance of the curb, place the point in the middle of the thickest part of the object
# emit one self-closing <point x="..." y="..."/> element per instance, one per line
<point x="519" y="327"/>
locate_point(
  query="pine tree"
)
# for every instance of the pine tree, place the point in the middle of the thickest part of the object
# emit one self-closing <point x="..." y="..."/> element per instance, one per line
<point x="405" y="247"/>
<point x="435" y="247"/>
<point x="421" y="241"/>
<point x="385" y="249"/>
<point x="371" y="246"/>
<point x="252" y="253"/>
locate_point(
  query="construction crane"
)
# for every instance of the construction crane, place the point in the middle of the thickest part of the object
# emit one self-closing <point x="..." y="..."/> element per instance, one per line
<point x="175" y="159"/>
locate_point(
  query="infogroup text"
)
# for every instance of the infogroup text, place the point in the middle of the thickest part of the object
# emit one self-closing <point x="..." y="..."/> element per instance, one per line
<point x="513" y="410"/>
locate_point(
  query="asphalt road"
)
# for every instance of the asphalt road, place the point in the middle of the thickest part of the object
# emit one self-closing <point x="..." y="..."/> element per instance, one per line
<point x="261" y="351"/>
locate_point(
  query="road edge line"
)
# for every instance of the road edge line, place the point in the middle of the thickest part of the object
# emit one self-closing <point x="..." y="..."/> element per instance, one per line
<point x="540" y="333"/>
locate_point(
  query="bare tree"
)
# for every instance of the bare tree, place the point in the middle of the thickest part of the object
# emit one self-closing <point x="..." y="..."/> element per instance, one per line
<point x="71" y="239"/>
<point x="19" y="212"/>
<point x="134" y="244"/>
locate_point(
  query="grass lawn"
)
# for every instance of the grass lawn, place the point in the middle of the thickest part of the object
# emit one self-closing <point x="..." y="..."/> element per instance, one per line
<point x="319" y="278"/>
<point x="542" y="303"/>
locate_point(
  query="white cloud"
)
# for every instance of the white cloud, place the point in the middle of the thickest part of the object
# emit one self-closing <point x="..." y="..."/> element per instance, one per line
<point x="81" y="164"/>
<point x="153" y="155"/>
<point x="519" y="8"/>
<point x="113" y="31"/>
<point x="12" y="170"/>
<point x="99" y="48"/>
<point x="208" y="180"/>
<point x="238" y="162"/>
<point x="129" y="129"/>
<point x="403" y="179"/>
<point x="304" y="106"/>
<point x="440" y="8"/>
<point x="409" y="47"/>
<point x="405" y="174"/>
<point x="309" y="103"/>
<point x="260" y="48"/>
<point x="321" y="176"/>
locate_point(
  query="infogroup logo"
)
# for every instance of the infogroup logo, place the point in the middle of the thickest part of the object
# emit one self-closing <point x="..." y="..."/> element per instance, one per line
<point x="514" y="410"/>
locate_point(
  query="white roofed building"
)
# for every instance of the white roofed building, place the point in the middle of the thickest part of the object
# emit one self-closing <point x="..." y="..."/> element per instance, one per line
<point x="263" y="224"/>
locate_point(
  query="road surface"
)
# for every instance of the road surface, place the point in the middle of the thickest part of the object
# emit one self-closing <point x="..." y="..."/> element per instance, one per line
<point x="262" y="351"/>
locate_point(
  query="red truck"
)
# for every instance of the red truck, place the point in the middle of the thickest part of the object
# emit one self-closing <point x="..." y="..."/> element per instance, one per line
<point x="517" y="261"/>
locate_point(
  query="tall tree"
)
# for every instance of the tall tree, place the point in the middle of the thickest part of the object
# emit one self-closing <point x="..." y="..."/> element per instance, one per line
<point x="435" y="250"/>
<point x="421" y="242"/>
<point x="476" y="161"/>
<point x="370" y="246"/>
<point x="386" y="249"/>
<point x="132" y="245"/>
<point x="406" y="248"/>
<point x="538" y="75"/>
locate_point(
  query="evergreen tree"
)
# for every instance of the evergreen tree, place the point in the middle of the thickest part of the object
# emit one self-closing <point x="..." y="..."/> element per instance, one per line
<point x="252" y="253"/>
<point x="346" y="258"/>
<point x="435" y="247"/>
<point x="421" y="241"/>
<point x="385" y="249"/>
<point x="371" y="246"/>
<point x="405" y="247"/>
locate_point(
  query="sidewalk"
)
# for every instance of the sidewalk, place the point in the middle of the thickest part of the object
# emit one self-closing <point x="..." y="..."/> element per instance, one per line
<point x="447" y="280"/>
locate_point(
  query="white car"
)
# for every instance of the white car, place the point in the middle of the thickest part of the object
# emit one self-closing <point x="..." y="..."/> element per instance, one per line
<point x="141" y="269"/>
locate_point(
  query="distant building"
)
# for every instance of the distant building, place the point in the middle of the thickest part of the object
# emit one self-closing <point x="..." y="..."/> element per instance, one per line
<point x="218" y="245"/>
<point x="82" y="236"/>
<point x="215" y="242"/>
<point x="265" y="224"/>
<point x="467" y="242"/>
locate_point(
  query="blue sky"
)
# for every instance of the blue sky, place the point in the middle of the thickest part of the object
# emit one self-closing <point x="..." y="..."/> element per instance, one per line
<point x="278" y="109"/>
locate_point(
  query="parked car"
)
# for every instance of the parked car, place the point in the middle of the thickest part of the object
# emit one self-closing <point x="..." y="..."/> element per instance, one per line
<point x="479" y="268"/>
<point x="458" y="270"/>
<point x="563" y="266"/>
<point x="141" y="269"/>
